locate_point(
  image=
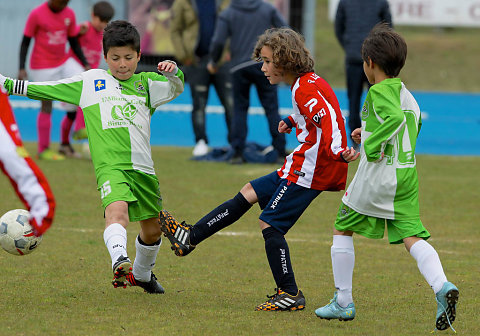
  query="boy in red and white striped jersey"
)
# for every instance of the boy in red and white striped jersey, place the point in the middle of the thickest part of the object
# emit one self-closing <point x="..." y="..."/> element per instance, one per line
<point x="319" y="163"/>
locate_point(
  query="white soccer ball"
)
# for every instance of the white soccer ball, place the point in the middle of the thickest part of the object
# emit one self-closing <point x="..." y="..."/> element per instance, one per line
<point x="16" y="233"/>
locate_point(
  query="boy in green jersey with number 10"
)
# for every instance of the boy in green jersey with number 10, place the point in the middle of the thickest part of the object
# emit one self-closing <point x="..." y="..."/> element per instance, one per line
<point x="118" y="105"/>
<point x="384" y="190"/>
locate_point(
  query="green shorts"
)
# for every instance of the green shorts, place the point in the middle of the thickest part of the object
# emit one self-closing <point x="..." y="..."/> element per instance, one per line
<point x="373" y="227"/>
<point x="139" y="189"/>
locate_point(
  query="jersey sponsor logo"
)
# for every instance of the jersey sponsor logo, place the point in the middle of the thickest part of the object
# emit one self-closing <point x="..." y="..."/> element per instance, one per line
<point x="99" y="84"/>
<point x="317" y="117"/>
<point x="57" y="37"/>
<point x="123" y="116"/>
<point x="299" y="173"/>
<point x="128" y="111"/>
<point x="311" y="103"/>
<point x="278" y="197"/>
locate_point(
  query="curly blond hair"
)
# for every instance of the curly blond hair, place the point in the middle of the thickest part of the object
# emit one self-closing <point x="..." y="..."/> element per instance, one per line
<point x="289" y="50"/>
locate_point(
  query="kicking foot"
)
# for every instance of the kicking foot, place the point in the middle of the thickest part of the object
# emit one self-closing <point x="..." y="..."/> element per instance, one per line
<point x="177" y="233"/>
<point x="121" y="268"/>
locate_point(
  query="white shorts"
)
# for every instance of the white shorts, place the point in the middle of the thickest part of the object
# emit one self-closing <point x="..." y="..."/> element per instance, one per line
<point x="68" y="69"/>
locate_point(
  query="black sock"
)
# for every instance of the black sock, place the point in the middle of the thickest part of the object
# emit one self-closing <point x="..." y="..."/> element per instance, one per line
<point x="219" y="218"/>
<point x="278" y="256"/>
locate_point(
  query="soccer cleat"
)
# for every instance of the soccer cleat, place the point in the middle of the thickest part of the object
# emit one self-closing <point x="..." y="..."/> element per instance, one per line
<point x="334" y="311"/>
<point x="177" y="233"/>
<point x="50" y="155"/>
<point x="447" y="300"/>
<point x="121" y="268"/>
<point x="283" y="301"/>
<point x="151" y="287"/>
<point x="67" y="150"/>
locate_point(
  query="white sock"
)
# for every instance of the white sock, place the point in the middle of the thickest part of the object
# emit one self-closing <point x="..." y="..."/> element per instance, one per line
<point x="115" y="237"/>
<point x="343" y="261"/>
<point x="429" y="264"/>
<point x="144" y="260"/>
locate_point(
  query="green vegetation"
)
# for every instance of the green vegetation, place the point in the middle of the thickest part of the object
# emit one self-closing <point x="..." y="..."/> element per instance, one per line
<point x="438" y="59"/>
<point x="63" y="288"/>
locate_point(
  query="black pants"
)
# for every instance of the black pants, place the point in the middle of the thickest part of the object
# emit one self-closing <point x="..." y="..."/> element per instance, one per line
<point x="200" y="80"/>
<point x="356" y="80"/>
<point x="242" y="80"/>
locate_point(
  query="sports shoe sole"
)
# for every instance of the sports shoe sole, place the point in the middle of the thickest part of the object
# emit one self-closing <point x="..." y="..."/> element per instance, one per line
<point x="450" y="310"/>
<point x="336" y="318"/>
<point x="120" y="272"/>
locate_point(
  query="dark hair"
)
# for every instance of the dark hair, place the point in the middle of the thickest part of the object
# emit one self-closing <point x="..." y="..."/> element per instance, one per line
<point x="103" y="10"/>
<point x="289" y="50"/>
<point x="386" y="48"/>
<point x="120" y="33"/>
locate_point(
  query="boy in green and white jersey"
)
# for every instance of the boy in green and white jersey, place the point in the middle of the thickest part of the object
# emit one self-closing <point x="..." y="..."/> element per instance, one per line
<point x="118" y="105"/>
<point x="384" y="190"/>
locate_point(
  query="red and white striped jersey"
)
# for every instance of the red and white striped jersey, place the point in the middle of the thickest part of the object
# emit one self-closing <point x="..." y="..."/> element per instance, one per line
<point x="316" y="163"/>
<point x="26" y="178"/>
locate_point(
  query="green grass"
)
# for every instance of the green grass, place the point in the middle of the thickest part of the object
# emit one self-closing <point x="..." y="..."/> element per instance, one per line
<point x="438" y="59"/>
<point x="63" y="288"/>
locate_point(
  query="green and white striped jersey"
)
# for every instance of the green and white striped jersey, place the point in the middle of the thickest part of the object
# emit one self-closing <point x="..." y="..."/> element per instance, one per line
<point x="391" y="122"/>
<point x="117" y="113"/>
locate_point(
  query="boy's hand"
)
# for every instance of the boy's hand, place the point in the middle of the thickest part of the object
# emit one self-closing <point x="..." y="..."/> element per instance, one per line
<point x="357" y="135"/>
<point x="350" y="154"/>
<point x="283" y="127"/>
<point x="167" y="68"/>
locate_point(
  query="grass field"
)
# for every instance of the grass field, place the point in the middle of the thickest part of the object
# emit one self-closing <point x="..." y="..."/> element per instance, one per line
<point x="64" y="288"/>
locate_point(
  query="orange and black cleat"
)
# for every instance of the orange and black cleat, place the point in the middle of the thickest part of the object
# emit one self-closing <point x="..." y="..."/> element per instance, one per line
<point x="281" y="301"/>
<point x="177" y="233"/>
<point x="121" y="268"/>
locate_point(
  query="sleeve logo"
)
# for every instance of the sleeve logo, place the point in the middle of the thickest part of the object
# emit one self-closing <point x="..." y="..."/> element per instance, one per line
<point x="99" y="84"/>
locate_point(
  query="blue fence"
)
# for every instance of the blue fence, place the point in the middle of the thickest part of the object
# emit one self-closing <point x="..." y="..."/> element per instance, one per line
<point x="451" y="121"/>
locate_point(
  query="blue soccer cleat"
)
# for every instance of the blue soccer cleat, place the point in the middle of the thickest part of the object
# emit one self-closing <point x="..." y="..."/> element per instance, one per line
<point x="333" y="311"/>
<point x="447" y="300"/>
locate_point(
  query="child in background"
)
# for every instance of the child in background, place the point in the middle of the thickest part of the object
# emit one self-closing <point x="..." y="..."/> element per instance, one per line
<point x="384" y="190"/>
<point x="51" y="25"/>
<point x="319" y="163"/>
<point x="90" y="34"/>
<point x="117" y="106"/>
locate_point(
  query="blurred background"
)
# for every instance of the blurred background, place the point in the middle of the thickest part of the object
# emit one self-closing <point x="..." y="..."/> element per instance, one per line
<point x="443" y="40"/>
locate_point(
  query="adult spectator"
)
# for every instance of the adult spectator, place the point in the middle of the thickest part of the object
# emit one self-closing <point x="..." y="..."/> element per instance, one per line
<point x="353" y="21"/>
<point x="192" y="27"/>
<point x="242" y="22"/>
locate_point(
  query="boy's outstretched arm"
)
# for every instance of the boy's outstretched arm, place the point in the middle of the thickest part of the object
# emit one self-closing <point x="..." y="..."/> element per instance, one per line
<point x="66" y="90"/>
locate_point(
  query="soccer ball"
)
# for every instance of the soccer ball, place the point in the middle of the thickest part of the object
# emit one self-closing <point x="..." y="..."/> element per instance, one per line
<point x="16" y="234"/>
